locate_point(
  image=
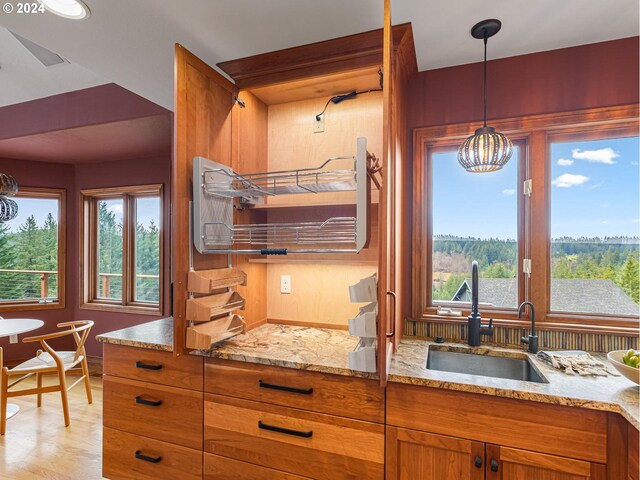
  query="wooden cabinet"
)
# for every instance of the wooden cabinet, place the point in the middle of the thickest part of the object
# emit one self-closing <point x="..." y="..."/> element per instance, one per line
<point x="414" y="455"/>
<point x="259" y="124"/>
<point x="633" y="452"/>
<point x="152" y="428"/>
<point x="504" y="463"/>
<point x="350" y="397"/>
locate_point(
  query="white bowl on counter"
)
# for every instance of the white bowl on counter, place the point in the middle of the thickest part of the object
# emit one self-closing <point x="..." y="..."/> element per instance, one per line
<point x="631" y="373"/>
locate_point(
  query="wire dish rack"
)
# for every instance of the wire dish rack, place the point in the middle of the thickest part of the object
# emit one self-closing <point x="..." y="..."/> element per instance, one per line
<point x="217" y="188"/>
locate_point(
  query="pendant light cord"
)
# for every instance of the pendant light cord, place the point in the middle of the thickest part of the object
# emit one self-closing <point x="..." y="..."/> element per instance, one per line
<point x="485" y="77"/>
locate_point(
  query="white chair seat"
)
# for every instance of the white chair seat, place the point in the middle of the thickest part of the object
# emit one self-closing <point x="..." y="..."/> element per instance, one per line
<point x="45" y="361"/>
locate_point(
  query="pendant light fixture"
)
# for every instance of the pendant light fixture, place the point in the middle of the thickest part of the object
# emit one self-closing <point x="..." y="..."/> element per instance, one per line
<point x="486" y="150"/>
<point x="8" y="188"/>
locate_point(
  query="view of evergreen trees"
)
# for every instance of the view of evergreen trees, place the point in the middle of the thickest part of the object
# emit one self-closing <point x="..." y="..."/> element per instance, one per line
<point x="35" y="247"/>
<point x="613" y="258"/>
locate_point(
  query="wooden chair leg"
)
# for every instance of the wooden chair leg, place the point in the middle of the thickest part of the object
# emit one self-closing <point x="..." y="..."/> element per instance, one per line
<point x="4" y="383"/>
<point x="63" y="395"/>
<point x="39" y="385"/>
<point x="87" y="381"/>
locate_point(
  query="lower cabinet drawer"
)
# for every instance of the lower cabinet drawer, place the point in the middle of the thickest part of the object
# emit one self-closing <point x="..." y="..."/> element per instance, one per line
<point x="129" y="456"/>
<point x="221" y="468"/>
<point x="308" y="444"/>
<point x="165" y="413"/>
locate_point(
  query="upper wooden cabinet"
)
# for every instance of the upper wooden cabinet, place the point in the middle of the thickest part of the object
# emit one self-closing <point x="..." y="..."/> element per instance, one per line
<point x="264" y="123"/>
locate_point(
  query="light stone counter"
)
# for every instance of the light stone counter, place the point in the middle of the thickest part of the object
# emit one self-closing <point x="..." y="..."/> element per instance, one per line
<point x="611" y="393"/>
<point x="326" y="350"/>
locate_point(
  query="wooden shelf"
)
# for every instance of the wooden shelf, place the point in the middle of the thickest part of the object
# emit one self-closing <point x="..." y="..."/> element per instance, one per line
<point x="206" y="281"/>
<point x="201" y="309"/>
<point x="202" y="336"/>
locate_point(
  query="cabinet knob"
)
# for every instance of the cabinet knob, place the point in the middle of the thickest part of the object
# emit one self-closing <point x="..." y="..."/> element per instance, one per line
<point x="478" y="461"/>
<point x="494" y="466"/>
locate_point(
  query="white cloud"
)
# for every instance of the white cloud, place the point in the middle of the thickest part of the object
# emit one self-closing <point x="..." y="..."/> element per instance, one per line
<point x="568" y="180"/>
<point x="635" y="163"/>
<point x="636" y="220"/>
<point x="604" y="155"/>
<point x="605" y="205"/>
<point x="565" y="162"/>
<point x="595" y="185"/>
<point x="509" y="191"/>
<point x="115" y="208"/>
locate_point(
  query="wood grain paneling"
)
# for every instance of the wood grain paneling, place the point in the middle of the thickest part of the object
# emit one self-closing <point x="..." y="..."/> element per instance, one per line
<point x="142" y="364"/>
<point x="176" y="417"/>
<point x="222" y="468"/>
<point x="558" y="430"/>
<point x="321" y="58"/>
<point x="319" y="293"/>
<point x="120" y="462"/>
<point x="204" y="102"/>
<point x="332" y="394"/>
<point x="503" y="463"/>
<point x="633" y="455"/>
<point x="413" y="455"/>
<point x="336" y="448"/>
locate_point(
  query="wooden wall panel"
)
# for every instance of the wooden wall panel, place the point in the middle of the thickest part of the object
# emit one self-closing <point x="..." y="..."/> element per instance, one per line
<point x="319" y="293"/>
<point x="292" y="143"/>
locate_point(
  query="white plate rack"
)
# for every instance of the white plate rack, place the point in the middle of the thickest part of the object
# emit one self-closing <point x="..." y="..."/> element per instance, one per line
<point x="364" y="325"/>
<point x="217" y="189"/>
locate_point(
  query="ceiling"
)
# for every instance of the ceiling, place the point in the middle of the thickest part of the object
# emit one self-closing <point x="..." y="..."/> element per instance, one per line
<point x="131" y="43"/>
<point x="24" y="78"/>
<point x="136" y="138"/>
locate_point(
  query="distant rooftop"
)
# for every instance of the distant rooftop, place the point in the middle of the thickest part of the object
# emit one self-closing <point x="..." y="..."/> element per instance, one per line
<point x="567" y="295"/>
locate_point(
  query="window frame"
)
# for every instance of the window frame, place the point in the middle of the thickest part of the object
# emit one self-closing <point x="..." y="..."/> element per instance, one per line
<point x="89" y="287"/>
<point x="59" y="194"/>
<point x="538" y="132"/>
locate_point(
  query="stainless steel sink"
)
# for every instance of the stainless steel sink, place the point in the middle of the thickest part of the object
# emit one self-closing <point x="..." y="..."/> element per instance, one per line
<point x="483" y="364"/>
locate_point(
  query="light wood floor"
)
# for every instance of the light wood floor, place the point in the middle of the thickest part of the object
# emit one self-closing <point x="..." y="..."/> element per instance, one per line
<point x="38" y="446"/>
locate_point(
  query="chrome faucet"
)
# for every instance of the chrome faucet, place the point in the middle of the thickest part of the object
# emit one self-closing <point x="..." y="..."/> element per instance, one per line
<point x="475" y="320"/>
<point x="532" y="339"/>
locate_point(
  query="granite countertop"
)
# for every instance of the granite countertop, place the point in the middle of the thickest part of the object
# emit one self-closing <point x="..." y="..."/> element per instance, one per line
<point x="326" y="350"/>
<point x="611" y="393"/>
<point x="303" y="348"/>
<point x="155" y="335"/>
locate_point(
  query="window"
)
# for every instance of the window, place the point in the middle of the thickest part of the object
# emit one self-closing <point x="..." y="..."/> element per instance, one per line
<point x="575" y="230"/>
<point x="32" y="247"/>
<point x="475" y="217"/>
<point x="594" y="226"/>
<point x="122" y="249"/>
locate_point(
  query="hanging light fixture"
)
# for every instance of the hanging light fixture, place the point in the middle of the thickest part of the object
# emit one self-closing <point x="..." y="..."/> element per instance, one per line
<point x="8" y="188"/>
<point x="486" y="150"/>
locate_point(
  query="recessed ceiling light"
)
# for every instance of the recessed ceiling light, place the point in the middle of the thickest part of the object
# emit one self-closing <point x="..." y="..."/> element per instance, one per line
<point x="74" y="9"/>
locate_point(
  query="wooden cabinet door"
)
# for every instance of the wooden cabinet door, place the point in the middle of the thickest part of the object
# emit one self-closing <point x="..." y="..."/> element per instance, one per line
<point x="398" y="63"/>
<point x="633" y="451"/>
<point x="204" y="102"/>
<point x="414" y="455"/>
<point x="503" y="463"/>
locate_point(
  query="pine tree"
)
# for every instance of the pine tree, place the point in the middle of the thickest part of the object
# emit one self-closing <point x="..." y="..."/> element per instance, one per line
<point x="630" y="278"/>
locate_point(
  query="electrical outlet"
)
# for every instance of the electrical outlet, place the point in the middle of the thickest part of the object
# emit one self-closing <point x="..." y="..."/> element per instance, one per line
<point x="318" y="125"/>
<point x="285" y="283"/>
<point x="13" y="339"/>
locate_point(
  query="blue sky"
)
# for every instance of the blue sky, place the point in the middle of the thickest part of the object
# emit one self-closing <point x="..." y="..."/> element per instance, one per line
<point x="595" y="188"/>
<point x="595" y="192"/>
<point x="481" y="205"/>
<point x="148" y="209"/>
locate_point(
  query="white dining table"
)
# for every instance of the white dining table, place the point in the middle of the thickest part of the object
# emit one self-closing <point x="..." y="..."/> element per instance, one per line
<point x="16" y="326"/>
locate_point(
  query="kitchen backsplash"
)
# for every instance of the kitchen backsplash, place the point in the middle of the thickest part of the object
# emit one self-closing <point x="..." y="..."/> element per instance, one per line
<point x="510" y="337"/>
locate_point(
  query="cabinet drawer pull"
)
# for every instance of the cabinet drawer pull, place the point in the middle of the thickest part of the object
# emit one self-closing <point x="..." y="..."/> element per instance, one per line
<point x="287" y="431"/>
<point x="150" y="403"/>
<point x="146" y="458"/>
<point x="494" y="466"/>
<point x="478" y="461"/>
<point x="146" y="366"/>
<point x="284" y="388"/>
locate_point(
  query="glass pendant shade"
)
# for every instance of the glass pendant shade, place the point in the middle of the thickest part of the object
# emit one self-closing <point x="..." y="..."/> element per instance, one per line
<point x="8" y="185"/>
<point x="485" y="151"/>
<point x="8" y="209"/>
